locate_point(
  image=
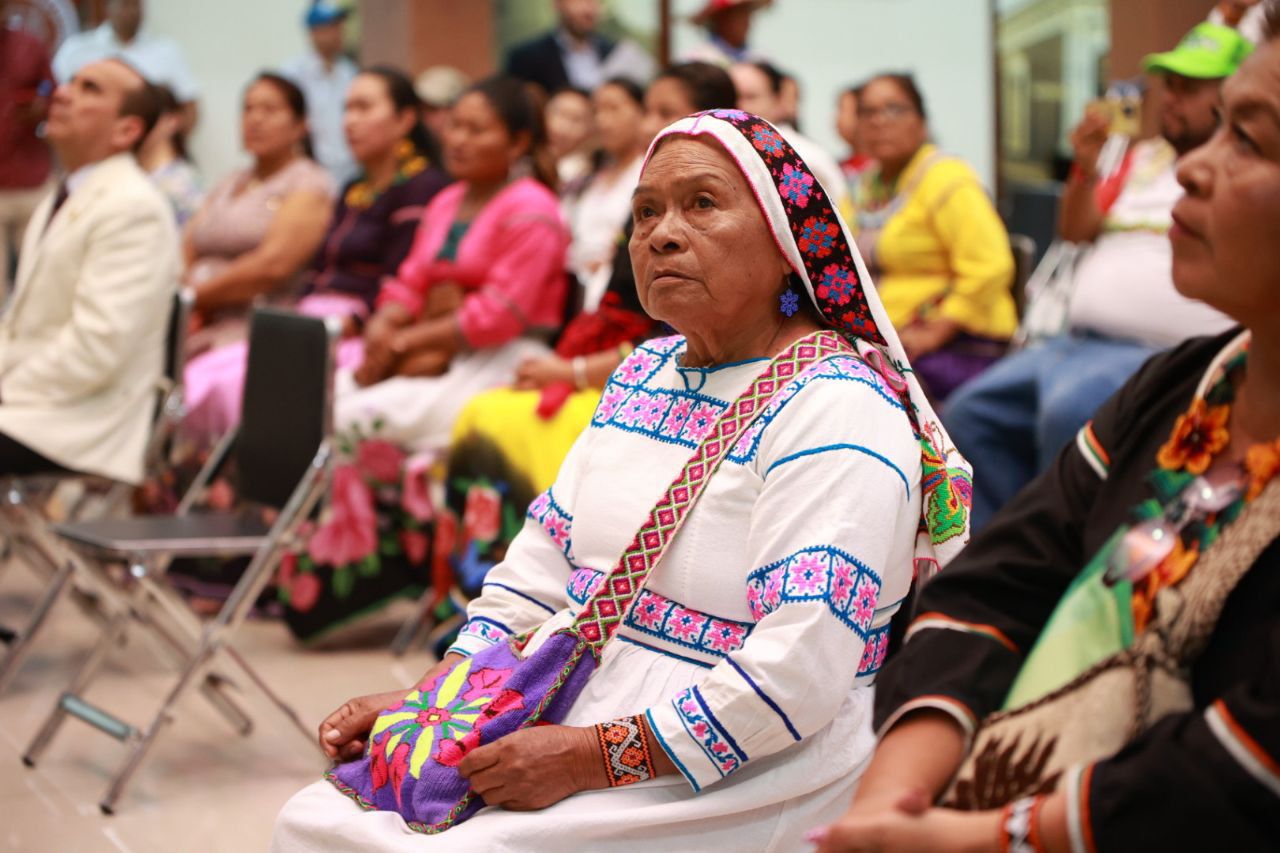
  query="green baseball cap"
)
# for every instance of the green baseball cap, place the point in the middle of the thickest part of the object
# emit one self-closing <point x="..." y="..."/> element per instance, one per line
<point x="1208" y="52"/>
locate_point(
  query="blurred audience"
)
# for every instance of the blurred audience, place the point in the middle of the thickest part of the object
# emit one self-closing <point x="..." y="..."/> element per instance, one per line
<point x="1012" y="421"/>
<point x="372" y="228"/>
<point x="573" y="54"/>
<point x="571" y="135"/>
<point x="122" y="35"/>
<point x="439" y="88"/>
<point x="164" y="157"/>
<point x="728" y="26"/>
<point x="759" y="87"/>
<point x="1247" y="16"/>
<point x="483" y="286"/>
<point x="847" y="126"/>
<point x="25" y="85"/>
<point x="324" y="74"/>
<point x="933" y="241"/>
<point x="260" y="225"/>
<point x="83" y="339"/>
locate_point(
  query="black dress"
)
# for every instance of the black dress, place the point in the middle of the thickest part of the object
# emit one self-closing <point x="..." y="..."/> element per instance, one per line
<point x="1208" y="779"/>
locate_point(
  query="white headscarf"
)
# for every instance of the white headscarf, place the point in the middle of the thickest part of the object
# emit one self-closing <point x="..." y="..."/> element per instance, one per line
<point x="816" y="242"/>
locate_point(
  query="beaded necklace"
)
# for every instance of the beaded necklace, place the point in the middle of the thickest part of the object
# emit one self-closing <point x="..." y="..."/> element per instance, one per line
<point x="1199" y="435"/>
<point x="361" y="195"/>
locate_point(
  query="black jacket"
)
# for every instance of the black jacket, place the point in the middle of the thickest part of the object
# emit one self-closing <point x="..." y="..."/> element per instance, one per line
<point x="539" y="60"/>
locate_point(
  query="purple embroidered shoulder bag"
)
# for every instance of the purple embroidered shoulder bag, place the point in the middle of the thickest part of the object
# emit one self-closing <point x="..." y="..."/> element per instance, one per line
<point x="411" y="763"/>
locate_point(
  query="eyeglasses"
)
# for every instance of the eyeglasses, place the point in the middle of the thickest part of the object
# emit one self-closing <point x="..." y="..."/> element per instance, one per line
<point x="889" y="112"/>
<point x="1147" y="545"/>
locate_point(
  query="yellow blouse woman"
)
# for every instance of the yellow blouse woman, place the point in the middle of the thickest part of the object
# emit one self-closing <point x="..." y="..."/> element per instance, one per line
<point x="936" y="246"/>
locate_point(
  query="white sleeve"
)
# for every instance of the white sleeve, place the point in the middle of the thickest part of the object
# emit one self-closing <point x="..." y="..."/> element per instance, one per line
<point x="831" y="540"/>
<point x="528" y="586"/>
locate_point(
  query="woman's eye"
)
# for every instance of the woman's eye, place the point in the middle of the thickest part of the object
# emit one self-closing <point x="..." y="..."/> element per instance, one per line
<point x="643" y="212"/>
<point x="1242" y="138"/>
<point x="703" y="202"/>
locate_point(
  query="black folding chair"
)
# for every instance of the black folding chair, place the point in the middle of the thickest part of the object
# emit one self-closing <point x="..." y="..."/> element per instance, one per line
<point x="23" y="512"/>
<point x="282" y="452"/>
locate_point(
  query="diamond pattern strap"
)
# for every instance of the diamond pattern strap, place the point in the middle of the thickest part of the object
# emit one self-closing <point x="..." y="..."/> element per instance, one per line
<point x="603" y="613"/>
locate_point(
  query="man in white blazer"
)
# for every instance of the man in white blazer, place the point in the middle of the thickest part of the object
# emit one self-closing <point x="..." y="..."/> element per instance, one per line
<point x="82" y="340"/>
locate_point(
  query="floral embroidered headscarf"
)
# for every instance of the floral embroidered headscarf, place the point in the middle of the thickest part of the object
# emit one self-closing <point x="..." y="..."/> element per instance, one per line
<point x="815" y="240"/>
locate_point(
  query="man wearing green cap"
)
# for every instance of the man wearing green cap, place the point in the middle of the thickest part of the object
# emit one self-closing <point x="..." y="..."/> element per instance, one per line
<point x="1012" y="420"/>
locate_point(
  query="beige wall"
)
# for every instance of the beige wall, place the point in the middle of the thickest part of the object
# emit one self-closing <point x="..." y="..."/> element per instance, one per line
<point x="416" y="34"/>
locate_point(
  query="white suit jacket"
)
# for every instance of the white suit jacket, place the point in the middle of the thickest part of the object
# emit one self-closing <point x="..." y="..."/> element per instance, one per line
<point x="82" y="339"/>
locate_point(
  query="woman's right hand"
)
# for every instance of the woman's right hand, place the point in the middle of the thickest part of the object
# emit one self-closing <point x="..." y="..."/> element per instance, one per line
<point x="344" y="733"/>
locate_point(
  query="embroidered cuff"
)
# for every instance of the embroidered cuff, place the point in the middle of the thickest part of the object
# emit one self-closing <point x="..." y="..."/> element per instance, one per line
<point x="624" y="748"/>
<point x="479" y="634"/>
<point x="701" y="748"/>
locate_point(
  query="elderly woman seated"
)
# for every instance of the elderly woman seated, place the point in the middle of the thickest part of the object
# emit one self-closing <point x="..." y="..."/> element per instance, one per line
<point x="1150" y="539"/>
<point x="733" y="686"/>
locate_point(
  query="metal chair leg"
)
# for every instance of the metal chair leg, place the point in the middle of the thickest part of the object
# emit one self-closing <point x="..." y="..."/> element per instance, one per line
<point x="142" y="745"/>
<point x="115" y="631"/>
<point x="21" y="644"/>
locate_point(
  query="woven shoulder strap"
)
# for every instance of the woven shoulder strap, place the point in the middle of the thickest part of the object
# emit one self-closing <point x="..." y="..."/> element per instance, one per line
<point x="603" y="613"/>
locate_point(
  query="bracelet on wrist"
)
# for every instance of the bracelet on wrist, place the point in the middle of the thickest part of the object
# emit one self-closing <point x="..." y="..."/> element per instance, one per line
<point x="579" y="365"/>
<point x="624" y="747"/>
<point x="1019" y="826"/>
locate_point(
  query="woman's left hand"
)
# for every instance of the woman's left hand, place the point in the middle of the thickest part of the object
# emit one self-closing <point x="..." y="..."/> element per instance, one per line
<point x="926" y="336"/>
<point x="427" y="362"/>
<point x="897" y="831"/>
<point x="535" y="767"/>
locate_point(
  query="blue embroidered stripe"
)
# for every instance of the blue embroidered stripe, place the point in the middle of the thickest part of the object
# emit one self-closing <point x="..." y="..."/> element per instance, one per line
<point x="841" y="368"/>
<point x="675" y="759"/>
<point x="822" y="574"/>
<point x="489" y="630"/>
<point x="874" y="652"/>
<point x="663" y="652"/>
<point x="857" y="448"/>
<point x="668" y="620"/>
<point x="707" y="732"/>
<point x="523" y="595"/>
<point x="765" y="698"/>
<point x="557" y="523"/>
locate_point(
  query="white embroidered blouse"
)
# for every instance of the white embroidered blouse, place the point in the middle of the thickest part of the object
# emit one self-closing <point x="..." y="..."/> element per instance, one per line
<point x="770" y="610"/>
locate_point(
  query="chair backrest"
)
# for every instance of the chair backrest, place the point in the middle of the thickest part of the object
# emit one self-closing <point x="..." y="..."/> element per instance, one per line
<point x="1024" y="261"/>
<point x="287" y="403"/>
<point x="175" y="356"/>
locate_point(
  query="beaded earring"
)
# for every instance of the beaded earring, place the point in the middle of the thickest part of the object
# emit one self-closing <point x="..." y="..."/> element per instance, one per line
<point x="790" y="302"/>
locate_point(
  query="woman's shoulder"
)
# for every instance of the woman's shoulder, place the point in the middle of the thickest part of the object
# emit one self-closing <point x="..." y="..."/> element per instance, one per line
<point x="529" y="196"/>
<point x="943" y="170"/>
<point x="306" y="175"/>
<point x="420" y="188"/>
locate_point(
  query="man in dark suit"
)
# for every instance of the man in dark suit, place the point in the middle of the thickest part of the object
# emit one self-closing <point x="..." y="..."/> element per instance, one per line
<point x="571" y="55"/>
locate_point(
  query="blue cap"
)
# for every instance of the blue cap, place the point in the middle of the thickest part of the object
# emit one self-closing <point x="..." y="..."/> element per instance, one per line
<point x="323" y="12"/>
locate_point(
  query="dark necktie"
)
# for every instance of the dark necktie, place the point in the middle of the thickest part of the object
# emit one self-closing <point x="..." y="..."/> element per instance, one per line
<point x="58" y="201"/>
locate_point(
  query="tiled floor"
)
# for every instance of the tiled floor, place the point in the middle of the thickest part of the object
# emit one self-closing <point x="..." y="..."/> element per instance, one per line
<point x="203" y="787"/>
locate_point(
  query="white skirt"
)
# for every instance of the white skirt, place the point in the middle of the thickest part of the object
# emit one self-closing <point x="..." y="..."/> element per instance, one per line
<point x="418" y="413"/>
<point x="767" y="805"/>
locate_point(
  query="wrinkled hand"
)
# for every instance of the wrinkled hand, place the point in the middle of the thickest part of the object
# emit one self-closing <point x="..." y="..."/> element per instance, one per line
<point x="534" y="374"/>
<point x="927" y="336"/>
<point x="1087" y="140"/>
<point x="535" y="767"/>
<point x="343" y="733"/>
